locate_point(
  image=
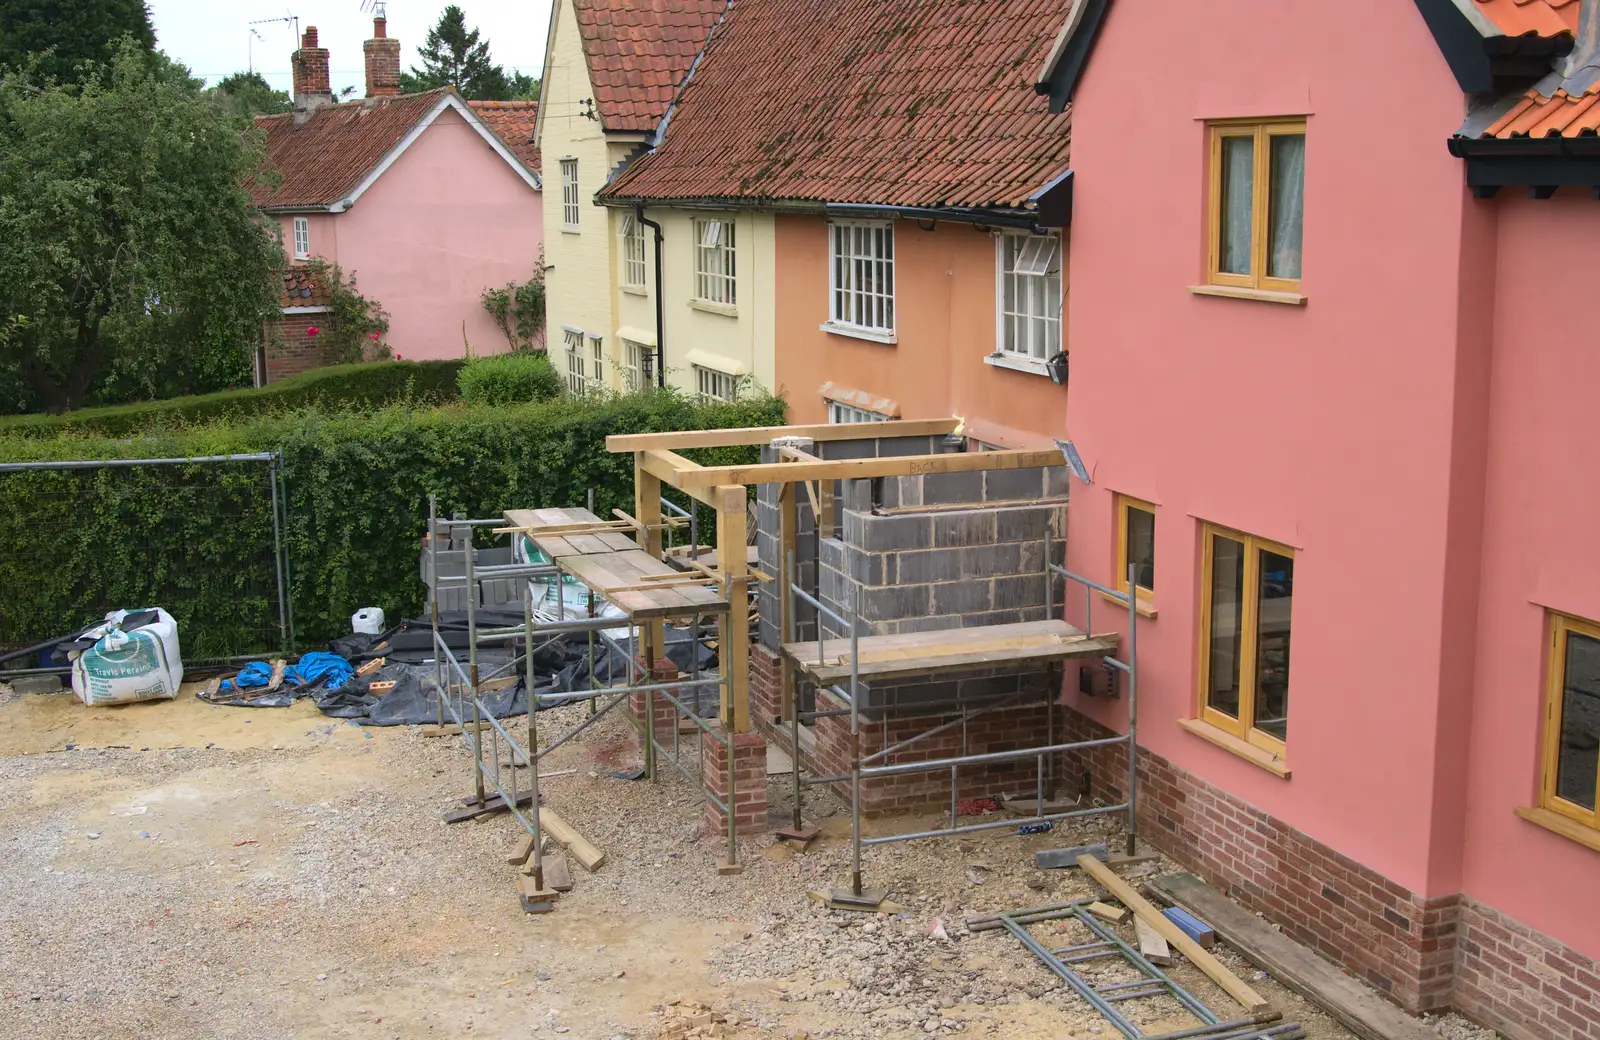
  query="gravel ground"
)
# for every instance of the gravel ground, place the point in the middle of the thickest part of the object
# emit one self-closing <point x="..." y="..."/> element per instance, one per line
<point x="187" y="870"/>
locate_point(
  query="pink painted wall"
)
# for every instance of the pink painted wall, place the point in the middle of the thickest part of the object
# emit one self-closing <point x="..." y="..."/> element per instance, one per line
<point x="1540" y="551"/>
<point x="447" y="220"/>
<point x="1332" y="427"/>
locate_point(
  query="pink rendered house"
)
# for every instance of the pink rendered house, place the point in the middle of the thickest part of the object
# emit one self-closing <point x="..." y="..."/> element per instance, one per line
<point x="1335" y="387"/>
<point x="427" y="199"/>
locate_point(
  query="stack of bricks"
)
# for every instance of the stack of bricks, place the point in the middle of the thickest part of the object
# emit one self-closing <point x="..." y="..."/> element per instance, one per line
<point x="665" y="712"/>
<point x="749" y="783"/>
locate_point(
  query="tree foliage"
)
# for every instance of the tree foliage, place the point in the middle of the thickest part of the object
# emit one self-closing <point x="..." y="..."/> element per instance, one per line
<point x="126" y="239"/>
<point x="61" y="34"/>
<point x="453" y="55"/>
<point x="248" y="94"/>
<point x="518" y="309"/>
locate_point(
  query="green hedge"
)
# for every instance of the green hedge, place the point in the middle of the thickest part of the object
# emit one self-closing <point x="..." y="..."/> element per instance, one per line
<point x="336" y="387"/>
<point x="197" y="539"/>
<point x="510" y="379"/>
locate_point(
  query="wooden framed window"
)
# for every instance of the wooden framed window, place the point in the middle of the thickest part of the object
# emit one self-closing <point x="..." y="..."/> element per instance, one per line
<point x="714" y="385"/>
<point x="714" y="280"/>
<point x="1571" y="774"/>
<point x="302" y="238"/>
<point x="1257" y="204"/>
<point x="569" y="194"/>
<point x="1246" y="600"/>
<point x="1030" y="295"/>
<point x="1136" y="544"/>
<point x="572" y="339"/>
<point x="861" y="277"/>
<point x="639" y="372"/>
<point x="632" y="235"/>
<point x="839" y="412"/>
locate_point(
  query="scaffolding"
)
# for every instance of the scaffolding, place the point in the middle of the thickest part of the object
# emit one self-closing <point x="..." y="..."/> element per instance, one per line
<point x="605" y="557"/>
<point x="657" y="463"/>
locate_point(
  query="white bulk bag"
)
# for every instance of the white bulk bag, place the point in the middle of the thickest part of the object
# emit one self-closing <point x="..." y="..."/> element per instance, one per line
<point x="124" y="667"/>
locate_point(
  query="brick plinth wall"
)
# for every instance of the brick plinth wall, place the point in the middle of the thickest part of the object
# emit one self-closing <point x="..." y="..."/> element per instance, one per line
<point x="291" y="348"/>
<point x="1521" y="982"/>
<point x="750" y="783"/>
<point x="666" y="713"/>
<point x="1396" y="940"/>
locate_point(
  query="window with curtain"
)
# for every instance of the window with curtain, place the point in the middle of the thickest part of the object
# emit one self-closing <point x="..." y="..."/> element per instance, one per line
<point x="861" y="275"/>
<point x="1247" y="592"/>
<point x="714" y="280"/>
<point x="1257" y="204"/>
<point x="1030" y="295"/>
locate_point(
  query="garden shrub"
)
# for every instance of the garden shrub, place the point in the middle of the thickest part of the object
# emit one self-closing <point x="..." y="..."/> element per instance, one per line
<point x="333" y="388"/>
<point x="76" y="544"/>
<point x="509" y="379"/>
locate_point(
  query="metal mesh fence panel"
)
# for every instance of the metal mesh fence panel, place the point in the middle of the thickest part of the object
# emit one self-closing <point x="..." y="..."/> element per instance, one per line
<point x="199" y="538"/>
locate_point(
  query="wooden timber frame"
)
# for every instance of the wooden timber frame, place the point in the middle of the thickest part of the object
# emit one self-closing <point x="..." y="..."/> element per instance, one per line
<point x="658" y="464"/>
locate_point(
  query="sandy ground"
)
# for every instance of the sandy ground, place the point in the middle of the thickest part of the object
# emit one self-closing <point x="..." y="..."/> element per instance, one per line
<point x="184" y="870"/>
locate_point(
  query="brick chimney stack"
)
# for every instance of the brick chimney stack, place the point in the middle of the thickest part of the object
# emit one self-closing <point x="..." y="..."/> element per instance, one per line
<point x="312" y="87"/>
<point x="383" y="61"/>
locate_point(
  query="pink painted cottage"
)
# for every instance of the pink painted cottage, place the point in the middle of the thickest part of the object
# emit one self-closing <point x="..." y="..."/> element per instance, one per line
<point x="427" y="199"/>
<point x="1334" y="384"/>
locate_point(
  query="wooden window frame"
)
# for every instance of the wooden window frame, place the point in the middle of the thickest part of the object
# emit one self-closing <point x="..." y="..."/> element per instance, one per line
<point x="1014" y="325"/>
<point x="1123" y="504"/>
<point x="1260" y="202"/>
<point x="715" y="272"/>
<point x="633" y="253"/>
<point x="1555" y="685"/>
<point x="302" y="238"/>
<point x="571" y="199"/>
<point x="1240" y="727"/>
<point x="863" y="252"/>
<point x="713" y="385"/>
<point x="841" y="413"/>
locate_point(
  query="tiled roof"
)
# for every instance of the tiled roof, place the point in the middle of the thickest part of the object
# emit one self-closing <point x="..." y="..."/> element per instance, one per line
<point x="1532" y="17"/>
<point x="512" y="122"/>
<point x="639" y="51"/>
<point x="301" y="290"/>
<point x="889" y="102"/>
<point x="322" y="159"/>
<point x="1560" y="115"/>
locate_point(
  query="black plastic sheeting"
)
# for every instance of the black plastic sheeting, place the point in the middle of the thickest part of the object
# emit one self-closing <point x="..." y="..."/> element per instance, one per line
<point x="561" y="665"/>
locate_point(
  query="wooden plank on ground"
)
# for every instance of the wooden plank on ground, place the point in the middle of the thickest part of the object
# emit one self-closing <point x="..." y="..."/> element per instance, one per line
<point x="586" y="854"/>
<point x="1357" y="1008"/>
<point x="1151" y="944"/>
<point x="1142" y="908"/>
<point x="523" y="850"/>
<point x="1114" y="914"/>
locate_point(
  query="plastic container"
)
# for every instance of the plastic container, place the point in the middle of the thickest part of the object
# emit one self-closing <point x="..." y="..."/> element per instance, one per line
<point x="368" y="621"/>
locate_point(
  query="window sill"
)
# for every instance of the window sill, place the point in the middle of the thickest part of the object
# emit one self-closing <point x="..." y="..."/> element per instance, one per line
<point x="565" y="230"/>
<point x="859" y="332"/>
<point x="1243" y="748"/>
<point x="1142" y="606"/>
<point x="709" y="307"/>
<point x="1017" y="363"/>
<point x="635" y="290"/>
<point x="1555" y="823"/>
<point x="1239" y="292"/>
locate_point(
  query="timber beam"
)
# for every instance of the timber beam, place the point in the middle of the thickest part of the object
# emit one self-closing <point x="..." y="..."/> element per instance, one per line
<point x="621" y="442"/>
<point x="691" y="477"/>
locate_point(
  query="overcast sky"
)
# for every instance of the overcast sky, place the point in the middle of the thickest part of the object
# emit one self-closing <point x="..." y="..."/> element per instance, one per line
<point x="213" y="37"/>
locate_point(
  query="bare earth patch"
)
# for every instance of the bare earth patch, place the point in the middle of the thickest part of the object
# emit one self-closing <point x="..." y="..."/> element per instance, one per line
<point x="189" y="870"/>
